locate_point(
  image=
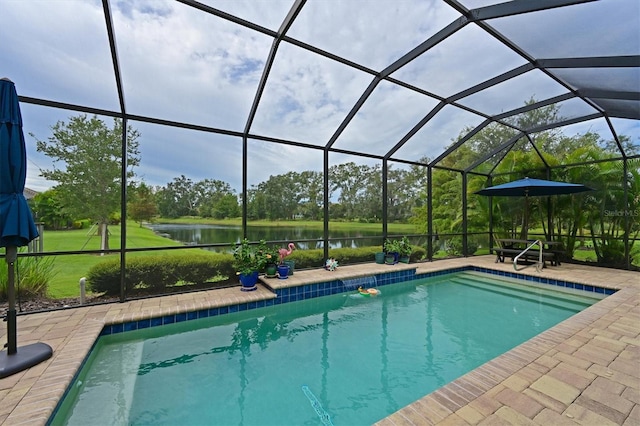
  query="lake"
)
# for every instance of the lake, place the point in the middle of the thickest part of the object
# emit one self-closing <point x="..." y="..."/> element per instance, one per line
<point x="212" y="234"/>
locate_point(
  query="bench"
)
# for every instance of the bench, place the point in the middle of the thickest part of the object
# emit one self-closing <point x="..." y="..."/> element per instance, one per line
<point x="501" y="253"/>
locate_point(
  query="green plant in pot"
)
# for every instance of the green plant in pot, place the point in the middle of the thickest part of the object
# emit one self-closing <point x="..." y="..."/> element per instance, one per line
<point x="270" y="256"/>
<point x="248" y="262"/>
<point x="392" y="251"/>
<point x="404" y="250"/>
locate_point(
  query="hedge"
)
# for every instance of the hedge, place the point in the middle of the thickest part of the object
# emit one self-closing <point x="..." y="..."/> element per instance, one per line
<point x="345" y="256"/>
<point x="158" y="272"/>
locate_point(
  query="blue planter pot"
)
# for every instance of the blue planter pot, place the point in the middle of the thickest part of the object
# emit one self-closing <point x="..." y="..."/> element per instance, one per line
<point x="283" y="271"/>
<point x="391" y="258"/>
<point x="249" y="281"/>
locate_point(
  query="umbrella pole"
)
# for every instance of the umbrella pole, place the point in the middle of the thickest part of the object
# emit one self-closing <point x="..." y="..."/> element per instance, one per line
<point x="12" y="255"/>
<point x="13" y="361"/>
<point x="524" y="233"/>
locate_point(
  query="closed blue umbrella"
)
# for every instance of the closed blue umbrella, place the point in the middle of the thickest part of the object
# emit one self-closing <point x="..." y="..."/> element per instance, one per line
<point x="17" y="227"/>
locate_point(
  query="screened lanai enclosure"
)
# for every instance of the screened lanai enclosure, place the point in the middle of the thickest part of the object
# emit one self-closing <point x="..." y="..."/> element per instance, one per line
<point x="386" y="113"/>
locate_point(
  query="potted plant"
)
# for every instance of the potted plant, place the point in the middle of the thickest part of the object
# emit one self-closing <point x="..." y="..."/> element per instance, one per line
<point x="380" y="255"/>
<point x="270" y="256"/>
<point x="404" y="250"/>
<point x="248" y="262"/>
<point x="392" y="251"/>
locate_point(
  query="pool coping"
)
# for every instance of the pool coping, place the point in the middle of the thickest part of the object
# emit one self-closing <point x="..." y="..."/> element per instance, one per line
<point x="544" y="372"/>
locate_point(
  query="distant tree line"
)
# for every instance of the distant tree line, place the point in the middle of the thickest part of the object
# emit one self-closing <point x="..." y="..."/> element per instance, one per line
<point x="355" y="191"/>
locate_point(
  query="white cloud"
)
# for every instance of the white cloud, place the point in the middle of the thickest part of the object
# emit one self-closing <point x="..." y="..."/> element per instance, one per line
<point x="601" y="28"/>
<point x="201" y="69"/>
<point x="389" y="113"/>
<point x="58" y="51"/>
<point x="463" y="60"/>
<point x="375" y="33"/>
<point x="514" y="93"/>
<point x="307" y="96"/>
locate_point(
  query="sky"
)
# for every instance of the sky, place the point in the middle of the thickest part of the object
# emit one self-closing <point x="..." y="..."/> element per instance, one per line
<point x="180" y="64"/>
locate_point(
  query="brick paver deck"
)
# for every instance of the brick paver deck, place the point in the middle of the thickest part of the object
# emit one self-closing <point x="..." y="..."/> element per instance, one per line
<point x="585" y="370"/>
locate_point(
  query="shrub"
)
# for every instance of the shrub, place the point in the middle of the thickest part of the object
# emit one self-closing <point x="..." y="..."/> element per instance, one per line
<point x="31" y="278"/>
<point x="104" y="277"/>
<point x="346" y="256"/>
<point x="453" y="246"/>
<point x="307" y="258"/>
<point x="159" y="272"/>
<point x="611" y="253"/>
<point x="148" y="272"/>
<point x="81" y="224"/>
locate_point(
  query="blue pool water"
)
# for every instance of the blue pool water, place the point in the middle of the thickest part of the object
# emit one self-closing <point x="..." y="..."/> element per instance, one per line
<point x="343" y="359"/>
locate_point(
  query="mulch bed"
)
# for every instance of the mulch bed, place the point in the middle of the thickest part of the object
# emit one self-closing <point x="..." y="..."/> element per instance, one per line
<point x="39" y="304"/>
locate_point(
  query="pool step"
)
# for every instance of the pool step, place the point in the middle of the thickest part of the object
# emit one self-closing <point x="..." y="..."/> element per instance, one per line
<point x="539" y="287"/>
<point x="536" y="294"/>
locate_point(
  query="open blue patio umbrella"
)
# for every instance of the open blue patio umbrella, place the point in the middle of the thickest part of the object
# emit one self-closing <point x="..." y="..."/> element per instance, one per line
<point x="17" y="227"/>
<point x="529" y="187"/>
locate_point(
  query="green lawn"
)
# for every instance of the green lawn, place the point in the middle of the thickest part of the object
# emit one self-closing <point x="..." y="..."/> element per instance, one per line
<point x="69" y="269"/>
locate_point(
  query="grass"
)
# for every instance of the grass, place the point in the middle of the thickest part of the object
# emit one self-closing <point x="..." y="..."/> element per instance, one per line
<point x="69" y="269"/>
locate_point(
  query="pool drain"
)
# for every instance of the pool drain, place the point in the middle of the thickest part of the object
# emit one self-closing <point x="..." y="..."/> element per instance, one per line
<point x="324" y="416"/>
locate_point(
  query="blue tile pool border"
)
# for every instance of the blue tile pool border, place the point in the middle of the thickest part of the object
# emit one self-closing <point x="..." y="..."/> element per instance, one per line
<point x="326" y="288"/>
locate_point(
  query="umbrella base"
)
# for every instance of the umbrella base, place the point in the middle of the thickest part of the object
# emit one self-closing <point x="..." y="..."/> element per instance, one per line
<point x="25" y="357"/>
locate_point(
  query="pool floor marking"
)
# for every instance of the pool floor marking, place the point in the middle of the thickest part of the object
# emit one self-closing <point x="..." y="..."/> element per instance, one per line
<point x="324" y="416"/>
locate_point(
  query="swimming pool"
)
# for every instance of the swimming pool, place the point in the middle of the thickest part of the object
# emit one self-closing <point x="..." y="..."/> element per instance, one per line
<point x="342" y="359"/>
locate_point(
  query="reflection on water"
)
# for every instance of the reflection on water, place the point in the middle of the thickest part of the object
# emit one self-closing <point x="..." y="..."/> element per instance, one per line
<point x="227" y="234"/>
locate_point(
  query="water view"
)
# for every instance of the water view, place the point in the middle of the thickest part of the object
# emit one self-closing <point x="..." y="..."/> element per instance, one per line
<point x="221" y="234"/>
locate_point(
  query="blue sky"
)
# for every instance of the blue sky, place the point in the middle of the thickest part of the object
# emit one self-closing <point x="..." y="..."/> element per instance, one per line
<point x="183" y="65"/>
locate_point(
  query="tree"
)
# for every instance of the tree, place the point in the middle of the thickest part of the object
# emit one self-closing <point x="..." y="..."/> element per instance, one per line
<point x="351" y="182"/>
<point x="46" y="209"/>
<point x="281" y="196"/>
<point x="89" y="183"/>
<point x="226" y="207"/>
<point x="311" y="197"/>
<point x="142" y="205"/>
<point x="215" y="198"/>
<point x="178" y="198"/>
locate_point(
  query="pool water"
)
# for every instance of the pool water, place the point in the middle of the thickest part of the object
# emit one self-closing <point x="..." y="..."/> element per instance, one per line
<point x="344" y="359"/>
